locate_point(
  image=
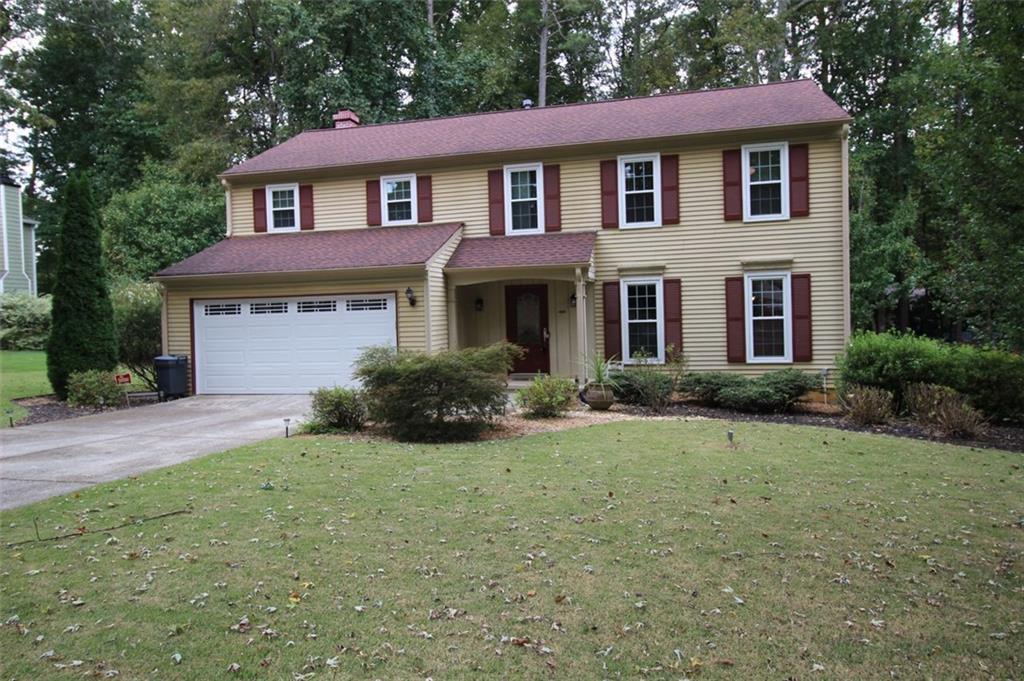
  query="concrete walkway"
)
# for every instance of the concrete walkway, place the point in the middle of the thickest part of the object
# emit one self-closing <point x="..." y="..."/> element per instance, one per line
<point x="48" y="459"/>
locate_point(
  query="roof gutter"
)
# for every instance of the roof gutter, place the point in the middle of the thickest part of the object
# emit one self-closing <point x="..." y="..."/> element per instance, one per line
<point x="384" y="269"/>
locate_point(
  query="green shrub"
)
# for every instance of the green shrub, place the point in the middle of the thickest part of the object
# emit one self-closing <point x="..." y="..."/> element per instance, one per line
<point x="771" y="392"/>
<point x="792" y="383"/>
<point x="754" y="396"/>
<point x="706" y="386"/>
<point x="644" y="386"/>
<point x="451" y="395"/>
<point x="137" y="312"/>
<point x="24" y="321"/>
<point x="867" y="406"/>
<point x="993" y="381"/>
<point x="336" y="409"/>
<point x="547" y="396"/>
<point x="93" y="388"/>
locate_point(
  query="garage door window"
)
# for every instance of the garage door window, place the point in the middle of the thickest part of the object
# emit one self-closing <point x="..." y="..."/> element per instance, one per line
<point x="222" y="309"/>
<point x="277" y="307"/>
<point x="366" y="304"/>
<point x="317" y="306"/>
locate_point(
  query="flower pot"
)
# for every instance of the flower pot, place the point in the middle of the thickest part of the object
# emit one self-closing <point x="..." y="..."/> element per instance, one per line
<point x="599" y="397"/>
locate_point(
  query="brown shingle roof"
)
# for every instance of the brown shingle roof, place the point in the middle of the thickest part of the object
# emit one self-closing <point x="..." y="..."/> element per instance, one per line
<point x="310" y="251"/>
<point x="537" y="250"/>
<point x="687" y="113"/>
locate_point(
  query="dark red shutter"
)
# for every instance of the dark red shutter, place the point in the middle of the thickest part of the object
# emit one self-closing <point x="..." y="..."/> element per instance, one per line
<point x="612" y="321"/>
<point x="670" y="189"/>
<point x="799" y="184"/>
<point x="732" y="182"/>
<point x="373" y="202"/>
<point x="306" y="206"/>
<point x="552" y="198"/>
<point x="735" y="320"/>
<point x="496" y="201"/>
<point x="259" y="209"/>
<point x="610" y="194"/>
<point x="673" y="294"/>
<point x="424" y="199"/>
<point x="801" y="302"/>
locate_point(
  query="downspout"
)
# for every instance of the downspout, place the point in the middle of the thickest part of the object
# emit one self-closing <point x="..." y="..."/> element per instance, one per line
<point x="227" y="205"/>
<point x="847" y="311"/>
<point x="3" y="223"/>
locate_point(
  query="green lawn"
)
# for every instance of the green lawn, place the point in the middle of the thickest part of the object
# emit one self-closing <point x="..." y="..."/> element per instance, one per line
<point x="22" y="374"/>
<point x="627" y="550"/>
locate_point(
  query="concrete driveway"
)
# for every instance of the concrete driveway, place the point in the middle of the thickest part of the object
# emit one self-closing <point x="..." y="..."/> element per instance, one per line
<point x="48" y="459"/>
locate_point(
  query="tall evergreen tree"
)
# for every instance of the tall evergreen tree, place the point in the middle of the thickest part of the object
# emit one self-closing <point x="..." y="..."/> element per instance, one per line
<point x="82" y="335"/>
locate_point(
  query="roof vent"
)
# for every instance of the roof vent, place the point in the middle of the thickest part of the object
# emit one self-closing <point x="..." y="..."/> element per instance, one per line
<point x="527" y="103"/>
<point x="346" y="118"/>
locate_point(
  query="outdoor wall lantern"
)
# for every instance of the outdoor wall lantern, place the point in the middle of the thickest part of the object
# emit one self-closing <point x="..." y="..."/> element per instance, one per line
<point x="572" y="300"/>
<point x="478" y="304"/>
<point x="410" y="296"/>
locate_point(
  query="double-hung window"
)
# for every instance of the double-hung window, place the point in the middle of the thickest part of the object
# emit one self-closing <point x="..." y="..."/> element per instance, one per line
<point x="643" y="320"/>
<point x="769" y="317"/>
<point x="640" y="191"/>
<point x="398" y="197"/>
<point x="766" y="182"/>
<point x="524" y="204"/>
<point x="283" y="207"/>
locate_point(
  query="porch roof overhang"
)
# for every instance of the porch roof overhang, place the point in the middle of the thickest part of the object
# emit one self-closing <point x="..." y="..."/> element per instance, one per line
<point x="526" y="254"/>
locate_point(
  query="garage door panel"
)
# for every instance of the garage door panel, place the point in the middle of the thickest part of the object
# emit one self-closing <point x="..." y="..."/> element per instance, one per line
<point x="287" y="345"/>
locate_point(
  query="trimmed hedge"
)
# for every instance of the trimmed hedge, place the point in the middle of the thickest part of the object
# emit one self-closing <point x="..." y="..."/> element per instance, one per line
<point x="771" y="392"/>
<point x="992" y="380"/>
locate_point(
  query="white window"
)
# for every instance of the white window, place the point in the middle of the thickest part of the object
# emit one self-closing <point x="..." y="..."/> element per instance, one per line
<point x="524" y="204"/>
<point x="283" y="208"/>
<point x="643" y="320"/>
<point x="398" y="198"/>
<point x="640" y="191"/>
<point x="765" y="182"/>
<point x="769" y="317"/>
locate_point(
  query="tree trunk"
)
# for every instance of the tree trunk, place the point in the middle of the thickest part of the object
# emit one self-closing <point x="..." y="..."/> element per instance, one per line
<point x="542" y="67"/>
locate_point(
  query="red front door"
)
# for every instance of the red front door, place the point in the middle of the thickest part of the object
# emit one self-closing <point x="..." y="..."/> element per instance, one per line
<point x="526" y="324"/>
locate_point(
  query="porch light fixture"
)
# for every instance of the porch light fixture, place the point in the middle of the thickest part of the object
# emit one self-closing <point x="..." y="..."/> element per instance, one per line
<point x="410" y="296"/>
<point x="572" y="300"/>
<point x="478" y="304"/>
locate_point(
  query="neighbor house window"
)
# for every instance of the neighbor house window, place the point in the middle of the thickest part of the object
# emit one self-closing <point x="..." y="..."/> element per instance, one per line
<point x="768" y="318"/>
<point x="398" y="196"/>
<point x="643" y="321"/>
<point x="766" y="182"/>
<point x="524" y="207"/>
<point x="283" y="202"/>
<point x="640" y="191"/>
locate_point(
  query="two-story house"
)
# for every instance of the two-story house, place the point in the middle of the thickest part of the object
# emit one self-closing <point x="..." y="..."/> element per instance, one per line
<point x="713" y="223"/>
<point x="18" y="239"/>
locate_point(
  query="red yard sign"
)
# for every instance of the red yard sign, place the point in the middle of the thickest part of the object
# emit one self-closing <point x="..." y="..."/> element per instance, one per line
<point x="122" y="379"/>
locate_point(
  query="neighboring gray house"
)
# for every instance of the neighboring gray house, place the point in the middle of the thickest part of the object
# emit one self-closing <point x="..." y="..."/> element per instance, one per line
<point x="18" y="269"/>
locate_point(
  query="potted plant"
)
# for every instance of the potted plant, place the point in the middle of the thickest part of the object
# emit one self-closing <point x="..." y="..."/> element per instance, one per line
<point x="599" y="393"/>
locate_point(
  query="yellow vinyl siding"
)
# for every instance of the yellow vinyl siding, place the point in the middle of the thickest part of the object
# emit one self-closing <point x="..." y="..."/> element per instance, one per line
<point x="437" y="296"/>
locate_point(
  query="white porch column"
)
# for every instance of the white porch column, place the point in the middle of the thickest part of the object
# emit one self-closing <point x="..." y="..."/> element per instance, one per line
<point x="581" y="329"/>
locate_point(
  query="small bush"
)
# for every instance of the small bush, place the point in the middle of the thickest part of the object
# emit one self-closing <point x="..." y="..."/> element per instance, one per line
<point x="93" y="388"/>
<point x="993" y="380"/>
<point x="771" y="392"/>
<point x="754" y="396"/>
<point x="706" y="386"/>
<point x="547" y="396"/>
<point x="944" y="410"/>
<point x="24" y="321"/>
<point x="867" y="406"/>
<point x="336" y="409"/>
<point x="792" y="383"/>
<point x="451" y="395"/>
<point x="644" y="386"/>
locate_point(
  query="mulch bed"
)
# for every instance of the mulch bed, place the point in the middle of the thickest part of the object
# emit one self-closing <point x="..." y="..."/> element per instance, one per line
<point x="48" y="408"/>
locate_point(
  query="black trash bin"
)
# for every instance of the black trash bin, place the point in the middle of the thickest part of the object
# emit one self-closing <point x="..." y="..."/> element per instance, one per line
<point x="171" y="375"/>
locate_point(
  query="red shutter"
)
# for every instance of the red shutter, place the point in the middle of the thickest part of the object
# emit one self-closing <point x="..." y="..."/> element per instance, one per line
<point x="732" y="182"/>
<point x="735" y="320"/>
<point x="670" y="189"/>
<point x="259" y="209"/>
<point x="612" y="323"/>
<point x="799" y="184"/>
<point x="610" y="194"/>
<point x="552" y="198"/>
<point x="424" y="199"/>
<point x="672" y="293"/>
<point x="800" y="299"/>
<point x="496" y="201"/>
<point x="305" y="206"/>
<point x="373" y="202"/>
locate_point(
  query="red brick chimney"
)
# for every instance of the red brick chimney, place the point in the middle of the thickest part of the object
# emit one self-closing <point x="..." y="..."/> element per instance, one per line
<point x="346" y="118"/>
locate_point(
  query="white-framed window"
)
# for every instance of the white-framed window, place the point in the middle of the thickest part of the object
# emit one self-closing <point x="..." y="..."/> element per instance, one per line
<point x="283" y="208"/>
<point x="640" y="191"/>
<point x="524" y="198"/>
<point x="643" y="320"/>
<point x="769" y="317"/>
<point x="398" y="200"/>
<point x="765" y="182"/>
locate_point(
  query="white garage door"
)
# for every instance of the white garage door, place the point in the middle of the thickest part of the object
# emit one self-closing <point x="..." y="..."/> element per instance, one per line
<point x="286" y="345"/>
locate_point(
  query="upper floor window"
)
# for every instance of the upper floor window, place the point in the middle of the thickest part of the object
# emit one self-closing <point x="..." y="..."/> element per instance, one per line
<point x="398" y="197"/>
<point x="283" y="200"/>
<point x="524" y="207"/>
<point x="640" y="190"/>
<point x="643" y="322"/>
<point x="766" y="182"/>
<point x="769" y="317"/>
